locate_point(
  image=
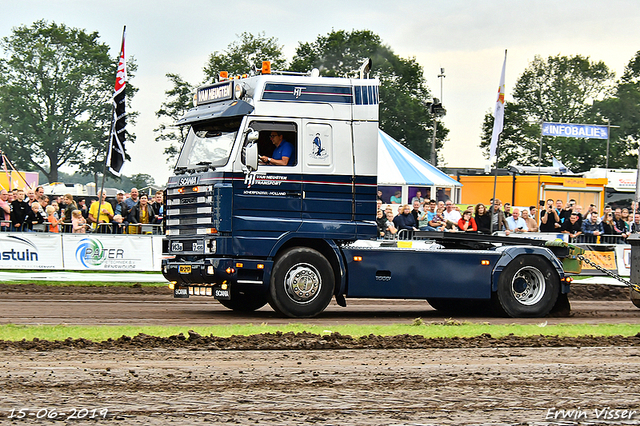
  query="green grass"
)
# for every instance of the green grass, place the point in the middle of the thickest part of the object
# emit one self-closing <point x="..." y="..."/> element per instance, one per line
<point x="449" y="328"/>
<point x="86" y="283"/>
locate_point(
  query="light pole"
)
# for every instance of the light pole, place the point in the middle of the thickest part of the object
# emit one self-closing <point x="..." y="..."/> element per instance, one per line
<point x="438" y="111"/>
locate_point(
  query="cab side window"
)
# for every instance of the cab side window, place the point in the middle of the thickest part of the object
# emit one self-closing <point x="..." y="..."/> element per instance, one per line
<point x="277" y="143"/>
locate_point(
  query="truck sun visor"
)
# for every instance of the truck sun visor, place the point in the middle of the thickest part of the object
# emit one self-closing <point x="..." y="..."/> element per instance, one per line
<point x="228" y="108"/>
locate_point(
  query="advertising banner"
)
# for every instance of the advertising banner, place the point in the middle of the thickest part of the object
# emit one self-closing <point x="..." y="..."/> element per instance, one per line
<point x="567" y="130"/>
<point x="30" y="250"/>
<point x="107" y="252"/>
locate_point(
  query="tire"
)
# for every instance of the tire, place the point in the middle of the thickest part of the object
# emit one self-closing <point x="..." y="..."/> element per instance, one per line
<point x="302" y="283"/>
<point x="242" y="302"/>
<point x="635" y="297"/>
<point x="527" y="288"/>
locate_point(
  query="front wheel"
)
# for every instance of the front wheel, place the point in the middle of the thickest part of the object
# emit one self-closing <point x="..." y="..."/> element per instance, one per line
<point x="528" y="287"/>
<point x="302" y="283"/>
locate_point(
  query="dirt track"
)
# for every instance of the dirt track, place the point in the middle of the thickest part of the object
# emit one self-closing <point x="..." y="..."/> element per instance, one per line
<point x="299" y="380"/>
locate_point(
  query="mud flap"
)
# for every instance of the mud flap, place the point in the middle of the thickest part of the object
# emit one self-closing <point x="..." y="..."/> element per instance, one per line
<point x="562" y="308"/>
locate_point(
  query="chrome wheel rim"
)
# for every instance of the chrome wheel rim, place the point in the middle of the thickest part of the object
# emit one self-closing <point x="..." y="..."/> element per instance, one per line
<point x="528" y="286"/>
<point x="302" y="283"/>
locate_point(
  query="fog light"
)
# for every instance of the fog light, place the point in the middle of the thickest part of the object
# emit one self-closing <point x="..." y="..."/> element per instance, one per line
<point x="224" y="285"/>
<point x="210" y="270"/>
<point x="172" y="284"/>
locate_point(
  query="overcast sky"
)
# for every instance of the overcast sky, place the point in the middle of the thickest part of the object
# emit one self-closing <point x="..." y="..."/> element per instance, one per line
<point x="466" y="38"/>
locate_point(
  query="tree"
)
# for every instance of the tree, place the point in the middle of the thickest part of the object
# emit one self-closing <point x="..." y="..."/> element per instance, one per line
<point x="623" y="110"/>
<point x="141" y="180"/>
<point x="559" y="89"/>
<point x="404" y="113"/>
<point x="55" y="96"/>
<point x="242" y="56"/>
<point x="179" y="100"/>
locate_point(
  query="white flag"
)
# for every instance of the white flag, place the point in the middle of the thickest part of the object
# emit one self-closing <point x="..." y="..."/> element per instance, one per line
<point x="498" y="115"/>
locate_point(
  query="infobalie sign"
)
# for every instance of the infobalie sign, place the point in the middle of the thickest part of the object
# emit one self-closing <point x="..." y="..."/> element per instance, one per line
<point x="587" y="131"/>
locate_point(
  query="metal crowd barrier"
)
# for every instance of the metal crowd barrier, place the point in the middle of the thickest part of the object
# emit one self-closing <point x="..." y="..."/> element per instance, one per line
<point x="101" y="228"/>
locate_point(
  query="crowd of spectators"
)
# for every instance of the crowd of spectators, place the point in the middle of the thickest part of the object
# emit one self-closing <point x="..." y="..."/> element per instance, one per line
<point x="550" y="216"/>
<point x="32" y="210"/>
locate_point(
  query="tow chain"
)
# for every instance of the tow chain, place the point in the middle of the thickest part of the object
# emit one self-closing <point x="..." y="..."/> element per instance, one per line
<point x="635" y="287"/>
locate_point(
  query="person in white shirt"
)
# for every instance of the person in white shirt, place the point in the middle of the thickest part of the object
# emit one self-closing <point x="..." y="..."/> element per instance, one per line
<point x="450" y="213"/>
<point x="516" y="223"/>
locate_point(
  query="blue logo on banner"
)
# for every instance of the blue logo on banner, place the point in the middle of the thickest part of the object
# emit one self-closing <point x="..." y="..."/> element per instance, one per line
<point x="587" y="131"/>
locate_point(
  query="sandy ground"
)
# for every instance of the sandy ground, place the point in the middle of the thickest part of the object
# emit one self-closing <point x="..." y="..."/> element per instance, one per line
<point x="308" y="379"/>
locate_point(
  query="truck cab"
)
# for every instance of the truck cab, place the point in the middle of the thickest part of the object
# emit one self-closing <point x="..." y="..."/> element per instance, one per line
<point x="230" y="215"/>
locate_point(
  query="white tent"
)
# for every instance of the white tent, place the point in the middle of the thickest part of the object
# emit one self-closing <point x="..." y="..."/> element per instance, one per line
<point x="399" y="169"/>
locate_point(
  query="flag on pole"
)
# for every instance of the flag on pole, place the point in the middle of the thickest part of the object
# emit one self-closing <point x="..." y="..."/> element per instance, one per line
<point x="116" y="152"/>
<point x="498" y="115"/>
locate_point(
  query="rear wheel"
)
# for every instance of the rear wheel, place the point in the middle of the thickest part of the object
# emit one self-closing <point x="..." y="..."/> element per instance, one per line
<point x="528" y="287"/>
<point x="243" y="302"/>
<point x="302" y="283"/>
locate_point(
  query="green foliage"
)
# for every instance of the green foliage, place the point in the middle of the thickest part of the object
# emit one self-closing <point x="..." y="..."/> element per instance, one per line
<point x="244" y="55"/>
<point x="179" y="101"/>
<point x="403" y="92"/>
<point x="559" y="89"/>
<point x="142" y="180"/>
<point x="55" y="97"/>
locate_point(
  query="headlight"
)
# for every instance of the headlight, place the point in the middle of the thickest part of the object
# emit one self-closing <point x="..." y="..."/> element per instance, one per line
<point x="239" y="91"/>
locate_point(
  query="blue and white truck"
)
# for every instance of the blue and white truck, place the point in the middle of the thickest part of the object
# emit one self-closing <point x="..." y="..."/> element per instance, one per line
<point x="248" y="232"/>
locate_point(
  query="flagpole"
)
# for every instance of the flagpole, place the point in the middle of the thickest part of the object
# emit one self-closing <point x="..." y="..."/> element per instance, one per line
<point x="112" y="134"/>
<point x="495" y="184"/>
<point x="498" y="124"/>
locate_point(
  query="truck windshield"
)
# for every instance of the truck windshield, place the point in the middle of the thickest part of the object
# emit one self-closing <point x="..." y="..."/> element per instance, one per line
<point x="209" y="144"/>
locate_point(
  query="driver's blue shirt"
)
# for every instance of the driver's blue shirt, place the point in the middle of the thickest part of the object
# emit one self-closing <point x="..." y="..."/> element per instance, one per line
<point x="285" y="149"/>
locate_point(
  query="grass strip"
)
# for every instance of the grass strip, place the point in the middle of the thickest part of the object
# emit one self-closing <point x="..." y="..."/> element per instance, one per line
<point x="448" y="328"/>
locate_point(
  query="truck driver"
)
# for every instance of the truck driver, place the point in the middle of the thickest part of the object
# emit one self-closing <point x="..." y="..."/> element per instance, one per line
<point x="281" y="154"/>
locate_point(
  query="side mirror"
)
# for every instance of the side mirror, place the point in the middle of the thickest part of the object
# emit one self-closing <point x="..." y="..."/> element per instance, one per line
<point x="250" y="150"/>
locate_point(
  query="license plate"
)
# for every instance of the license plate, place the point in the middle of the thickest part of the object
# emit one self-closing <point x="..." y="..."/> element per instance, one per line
<point x="175" y="246"/>
<point x="184" y="269"/>
<point x="180" y="293"/>
<point x="221" y="294"/>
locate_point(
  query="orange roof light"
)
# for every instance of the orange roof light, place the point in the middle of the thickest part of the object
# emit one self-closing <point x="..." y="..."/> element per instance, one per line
<point x="266" y="67"/>
<point x="224" y="75"/>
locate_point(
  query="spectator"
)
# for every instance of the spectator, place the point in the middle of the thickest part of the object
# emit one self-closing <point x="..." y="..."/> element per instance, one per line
<point x="53" y="222"/>
<point x="380" y="197"/>
<point x="56" y="207"/>
<point x="607" y="210"/>
<point x="610" y="227"/>
<point x="105" y="215"/>
<point x="532" y="225"/>
<point x="5" y="211"/>
<point x="482" y="219"/>
<point x="381" y="221"/>
<point x="31" y="196"/>
<point x="133" y="199"/>
<point x="451" y="215"/>
<point x="533" y="213"/>
<point x="158" y="206"/>
<point x="549" y="219"/>
<point x="587" y="214"/>
<point x="466" y="222"/>
<point x="438" y="222"/>
<point x="416" y="213"/>
<point x="515" y="223"/>
<point x="390" y="228"/>
<point x="396" y="198"/>
<point x="70" y="206"/>
<point x="507" y="210"/>
<point x="560" y="210"/>
<point x="39" y="193"/>
<point x="33" y="217"/>
<point x="418" y="198"/>
<point x="627" y="218"/>
<point x="142" y="212"/>
<point x="19" y="210"/>
<point x="405" y="220"/>
<point x="78" y="222"/>
<point x="591" y="228"/>
<point x="635" y="226"/>
<point x="82" y="206"/>
<point x="118" y="224"/>
<point x="620" y="222"/>
<point x="117" y="200"/>
<point x="572" y="226"/>
<point x="498" y="221"/>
